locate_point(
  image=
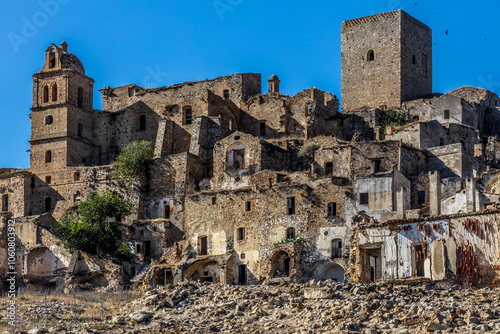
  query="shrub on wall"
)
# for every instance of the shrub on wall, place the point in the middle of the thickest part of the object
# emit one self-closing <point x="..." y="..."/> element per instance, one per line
<point x="392" y="118"/>
<point x="133" y="159"/>
<point x="87" y="227"/>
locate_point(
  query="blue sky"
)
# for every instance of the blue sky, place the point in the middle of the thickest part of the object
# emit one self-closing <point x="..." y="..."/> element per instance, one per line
<point x="157" y="43"/>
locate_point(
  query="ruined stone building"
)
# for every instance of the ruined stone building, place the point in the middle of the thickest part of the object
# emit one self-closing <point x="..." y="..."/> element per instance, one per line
<point x="261" y="187"/>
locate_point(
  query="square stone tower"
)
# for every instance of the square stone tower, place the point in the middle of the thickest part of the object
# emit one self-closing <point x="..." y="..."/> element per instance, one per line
<point x="386" y="60"/>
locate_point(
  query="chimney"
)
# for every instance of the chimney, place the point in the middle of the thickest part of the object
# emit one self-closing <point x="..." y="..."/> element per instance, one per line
<point x="470" y="194"/>
<point x="435" y="193"/>
<point x="401" y="203"/>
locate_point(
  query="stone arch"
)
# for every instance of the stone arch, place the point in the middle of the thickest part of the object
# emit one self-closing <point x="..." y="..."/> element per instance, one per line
<point x="162" y="276"/>
<point x="96" y="280"/>
<point x="330" y="271"/>
<point x="208" y="270"/>
<point x="42" y="262"/>
<point x="281" y="263"/>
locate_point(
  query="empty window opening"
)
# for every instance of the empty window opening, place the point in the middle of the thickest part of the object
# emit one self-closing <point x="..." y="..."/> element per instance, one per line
<point x="166" y="211"/>
<point x="248" y="206"/>
<point x="52" y="59"/>
<point x="76" y="176"/>
<point x="363" y="198"/>
<point x="242" y="256"/>
<point x="424" y="65"/>
<point x="376" y="165"/>
<point x="290" y="205"/>
<point x="142" y="122"/>
<point x="241" y="233"/>
<point x="421" y="197"/>
<point x="48" y="156"/>
<point x="45" y="94"/>
<point x="188" y="115"/>
<point x="147" y="248"/>
<point x="131" y="91"/>
<point x="332" y="209"/>
<point x="238" y="159"/>
<point x="336" y="248"/>
<point x="214" y="200"/>
<point x="286" y="267"/>
<point x="77" y="197"/>
<point x="48" y="179"/>
<point x="290" y="233"/>
<point x="54" y="92"/>
<point x="416" y="118"/>
<point x="226" y="94"/>
<point x="138" y="249"/>
<point x="329" y="169"/>
<point x="262" y="129"/>
<point x="49" y="120"/>
<point x="414" y="60"/>
<point x="80" y="130"/>
<point x="132" y="271"/>
<point x="419" y="253"/>
<point x="370" y="55"/>
<point x="308" y="109"/>
<point x="5" y="203"/>
<point x="48" y="205"/>
<point x="203" y="245"/>
<point x="80" y="98"/>
<point x="441" y="141"/>
<point x="446" y="114"/>
<point x="242" y="274"/>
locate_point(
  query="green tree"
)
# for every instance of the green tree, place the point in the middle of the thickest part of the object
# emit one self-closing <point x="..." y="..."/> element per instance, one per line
<point x="133" y="159"/>
<point x="87" y="228"/>
<point x="392" y="118"/>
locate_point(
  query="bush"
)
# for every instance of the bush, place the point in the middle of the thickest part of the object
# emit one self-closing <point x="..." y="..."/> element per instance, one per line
<point x="87" y="229"/>
<point x="294" y="239"/>
<point x="134" y="159"/>
<point x="307" y="151"/>
<point x="392" y="118"/>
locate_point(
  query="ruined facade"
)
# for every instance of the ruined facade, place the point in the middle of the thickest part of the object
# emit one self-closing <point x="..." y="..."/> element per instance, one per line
<point x="252" y="187"/>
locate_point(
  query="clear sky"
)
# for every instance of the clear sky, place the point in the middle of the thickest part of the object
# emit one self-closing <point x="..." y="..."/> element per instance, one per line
<point x="162" y="42"/>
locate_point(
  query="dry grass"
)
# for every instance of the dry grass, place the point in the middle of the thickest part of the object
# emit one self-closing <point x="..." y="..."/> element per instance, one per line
<point x="31" y="311"/>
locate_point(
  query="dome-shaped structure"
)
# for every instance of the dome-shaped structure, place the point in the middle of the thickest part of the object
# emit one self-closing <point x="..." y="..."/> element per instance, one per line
<point x="71" y="62"/>
<point x="274" y="84"/>
<point x="57" y="58"/>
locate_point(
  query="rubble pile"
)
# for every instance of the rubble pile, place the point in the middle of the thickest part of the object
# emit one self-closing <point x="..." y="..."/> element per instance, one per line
<point x="326" y="307"/>
<point x="322" y="308"/>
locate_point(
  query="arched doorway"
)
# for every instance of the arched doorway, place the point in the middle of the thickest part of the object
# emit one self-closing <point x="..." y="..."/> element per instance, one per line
<point x="280" y="264"/>
<point x="331" y="271"/>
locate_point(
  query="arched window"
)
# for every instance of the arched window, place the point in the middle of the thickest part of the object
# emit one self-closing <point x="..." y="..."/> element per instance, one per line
<point x="48" y="204"/>
<point x="45" y="94"/>
<point x="49" y="120"/>
<point x="80" y="98"/>
<point x="52" y="59"/>
<point x="188" y="115"/>
<point x="48" y="156"/>
<point x="370" y="55"/>
<point x="290" y="233"/>
<point x="54" y="92"/>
